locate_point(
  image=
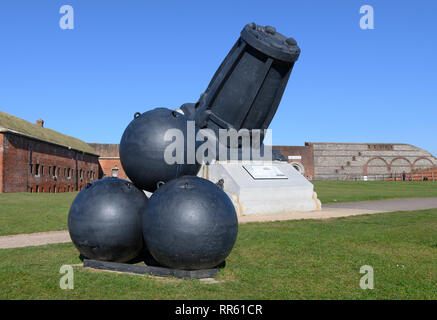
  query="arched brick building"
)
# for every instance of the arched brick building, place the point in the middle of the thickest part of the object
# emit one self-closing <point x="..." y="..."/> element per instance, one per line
<point x="321" y="161"/>
<point x="344" y="161"/>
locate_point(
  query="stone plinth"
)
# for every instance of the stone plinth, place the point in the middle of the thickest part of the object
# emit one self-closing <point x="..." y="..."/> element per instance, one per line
<point x="282" y="189"/>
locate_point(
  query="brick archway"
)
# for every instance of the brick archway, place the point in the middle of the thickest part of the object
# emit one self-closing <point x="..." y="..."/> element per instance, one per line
<point x="397" y="158"/>
<point x="422" y="158"/>
<point x="366" y="166"/>
<point x="400" y="158"/>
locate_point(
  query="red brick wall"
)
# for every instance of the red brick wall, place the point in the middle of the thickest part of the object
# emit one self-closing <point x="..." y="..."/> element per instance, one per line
<point x="307" y="154"/>
<point x="109" y="159"/>
<point x="20" y="153"/>
<point x="106" y="166"/>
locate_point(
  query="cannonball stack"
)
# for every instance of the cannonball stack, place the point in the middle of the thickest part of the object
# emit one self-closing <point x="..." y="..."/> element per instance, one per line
<point x="188" y="223"/>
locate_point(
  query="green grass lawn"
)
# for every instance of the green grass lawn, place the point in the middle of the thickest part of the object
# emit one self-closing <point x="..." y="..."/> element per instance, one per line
<point x="306" y="259"/>
<point x="26" y="212"/>
<point x="34" y="212"/>
<point x="344" y="191"/>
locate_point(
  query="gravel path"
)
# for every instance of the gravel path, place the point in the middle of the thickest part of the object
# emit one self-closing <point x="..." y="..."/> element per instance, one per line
<point x="388" y="205"/>
<point x="330" y="210"/>
<point x="34" y="239"/>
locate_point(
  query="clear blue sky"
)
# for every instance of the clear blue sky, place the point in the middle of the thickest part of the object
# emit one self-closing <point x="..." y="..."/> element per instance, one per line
<point x="349" y="85"/>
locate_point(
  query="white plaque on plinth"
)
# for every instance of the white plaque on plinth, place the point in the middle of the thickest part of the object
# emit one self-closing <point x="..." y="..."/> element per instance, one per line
<point x="264" y="172"/>
<point x="263" y="187"/>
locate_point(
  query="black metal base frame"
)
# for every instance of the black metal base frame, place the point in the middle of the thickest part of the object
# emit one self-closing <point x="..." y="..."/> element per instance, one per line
<point x="150" y="270"/>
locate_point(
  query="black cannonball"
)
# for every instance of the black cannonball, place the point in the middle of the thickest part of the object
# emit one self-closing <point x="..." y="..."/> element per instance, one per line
<point x="105" y="220"/>
<point x="143" y="145"/>
<point x="190" y="223"/>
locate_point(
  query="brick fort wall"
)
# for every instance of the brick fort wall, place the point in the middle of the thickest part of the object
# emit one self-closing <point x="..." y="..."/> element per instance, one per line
<point x="302" y="156"/>
<point x="109" y="160"/>
<point x="347" y="161"/>
<point x="30" y="165"/>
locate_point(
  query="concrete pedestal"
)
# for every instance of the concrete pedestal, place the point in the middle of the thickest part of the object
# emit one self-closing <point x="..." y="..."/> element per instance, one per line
<point x="260" y="187"/>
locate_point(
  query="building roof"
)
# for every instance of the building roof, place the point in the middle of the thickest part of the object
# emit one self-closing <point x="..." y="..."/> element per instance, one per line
<point x="10" y="123"/>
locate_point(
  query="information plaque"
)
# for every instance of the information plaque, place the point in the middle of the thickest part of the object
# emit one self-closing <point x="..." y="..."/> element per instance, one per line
<point x="264" y="172"/>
